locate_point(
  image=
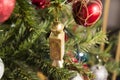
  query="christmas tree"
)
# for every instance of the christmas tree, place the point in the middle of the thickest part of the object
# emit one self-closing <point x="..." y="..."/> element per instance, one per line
<point x="33" y="34"/>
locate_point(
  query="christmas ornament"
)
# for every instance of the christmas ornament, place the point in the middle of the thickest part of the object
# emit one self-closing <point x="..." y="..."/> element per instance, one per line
<point x="78" y="77"/>
<point x="82" y="57"/>
<point x="86" y="12"/>
<point x="70" y="57"/>
<point x="66" y="37"/>
<point x="56" y="40"/>
<point x="41" y="76"/>
<point x="6" y="8"/>
<point x="85" y="66"/>
<point x="74" y="60"/>
<point x="41" y="3"/>
<point x="100" y="72"/>
<point x="1" y="68"/>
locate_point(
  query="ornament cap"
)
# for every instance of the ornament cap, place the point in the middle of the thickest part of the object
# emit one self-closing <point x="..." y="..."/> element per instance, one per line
<point x="57" y="27"/>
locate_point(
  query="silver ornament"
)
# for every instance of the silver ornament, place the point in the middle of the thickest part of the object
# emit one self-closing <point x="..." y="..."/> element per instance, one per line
<point x="100" y="72"/>
<point x="77" y="77"/>
<point x="1" y="68"/>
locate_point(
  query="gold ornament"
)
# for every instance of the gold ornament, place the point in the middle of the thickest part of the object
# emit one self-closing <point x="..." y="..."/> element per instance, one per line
<point x="41" y="76"/>
<point x="56" y="40"/>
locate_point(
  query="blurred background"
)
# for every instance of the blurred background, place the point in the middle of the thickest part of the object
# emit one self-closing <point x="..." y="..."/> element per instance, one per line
<point x="113" y="27"/>
<point x="114" y="15"/>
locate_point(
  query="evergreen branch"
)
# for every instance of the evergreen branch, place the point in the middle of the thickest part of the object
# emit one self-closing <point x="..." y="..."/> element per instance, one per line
<point x="18" y="72"/>
<point x="98" y="38"/>
<point x="55" y="73"/>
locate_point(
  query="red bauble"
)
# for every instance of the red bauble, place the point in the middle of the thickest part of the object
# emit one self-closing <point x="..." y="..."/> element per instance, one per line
<point x="66" y="37"/>
<point x="41" y="3"/>
<point x="87" y="12"/>
<point x="6" y="8"/>
<point x="74" y="60"/>
<point x="85" y="66"/>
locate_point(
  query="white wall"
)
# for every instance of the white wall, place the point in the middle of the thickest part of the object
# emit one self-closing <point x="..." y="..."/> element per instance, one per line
<point x="114" y="14"/>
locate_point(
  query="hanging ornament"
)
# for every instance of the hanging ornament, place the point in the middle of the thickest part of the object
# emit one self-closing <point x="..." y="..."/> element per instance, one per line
<point x="41" y="3"/>
<point x="85" y="66"/>
<point x="70" y="57"/>
<point x="74" y="60"/>
<point x="100" y="72"/>
<point x="86" y="12"/>
<point x="66" y="37"/>
<point x="1" y="68"/>
<point x="77" y="77"/>
<point x="6" y="8"/>
<point x="56" y="42"/>
<point x="82" y="57"/>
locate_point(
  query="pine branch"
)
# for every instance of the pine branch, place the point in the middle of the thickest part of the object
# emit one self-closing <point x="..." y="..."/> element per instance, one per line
<point x="18" y="70"/>
<point x="98" y="38"/>
<point x="55" y="73"/>
<point x="85" y="38"/>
